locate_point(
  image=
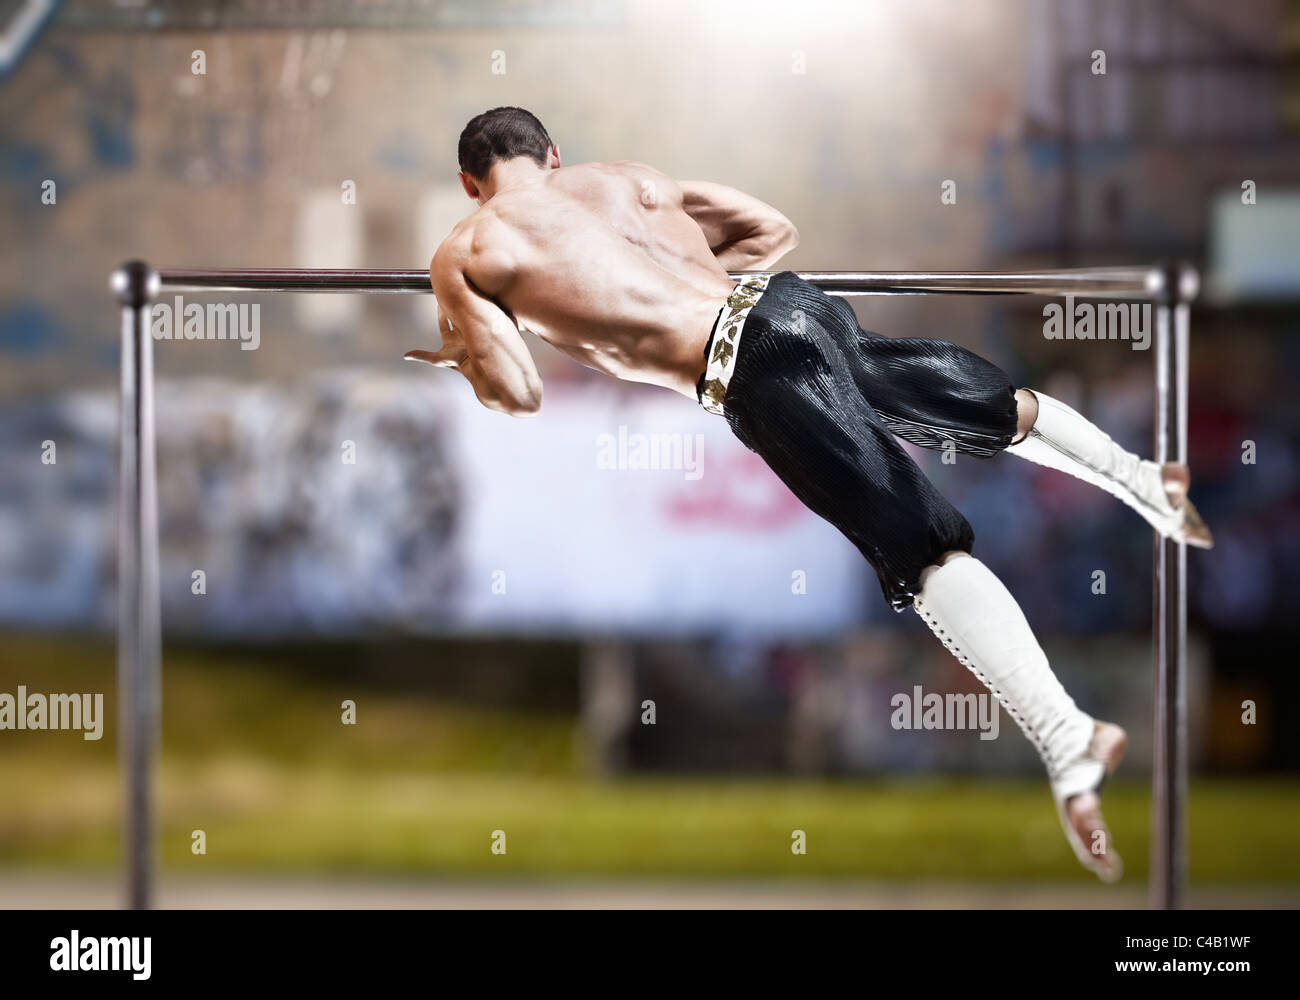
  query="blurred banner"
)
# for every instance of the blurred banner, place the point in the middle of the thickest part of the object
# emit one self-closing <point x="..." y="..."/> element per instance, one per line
<point x="351" y="501"/>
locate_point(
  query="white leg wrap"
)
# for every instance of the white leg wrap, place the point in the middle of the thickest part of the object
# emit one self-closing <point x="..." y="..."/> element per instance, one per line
<point x="1064" y="440"/>
<point x="979" y="621"/>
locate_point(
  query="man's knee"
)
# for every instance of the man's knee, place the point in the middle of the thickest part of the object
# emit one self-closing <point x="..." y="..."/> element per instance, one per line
<point x="943" y="560"/>
<point x="1026" y="413"/>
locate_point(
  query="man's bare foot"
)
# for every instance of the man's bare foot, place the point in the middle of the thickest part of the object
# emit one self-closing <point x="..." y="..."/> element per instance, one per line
<point x="1177" y="478"/>
<point x="1081" y="818"/>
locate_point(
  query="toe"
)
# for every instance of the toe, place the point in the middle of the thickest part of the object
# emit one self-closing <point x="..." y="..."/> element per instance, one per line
<point x="1195" y="531"/>
<point x="1085" y="817"/>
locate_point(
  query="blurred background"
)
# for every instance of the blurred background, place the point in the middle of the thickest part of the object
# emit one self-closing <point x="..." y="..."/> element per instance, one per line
<point x="500" y="600"/>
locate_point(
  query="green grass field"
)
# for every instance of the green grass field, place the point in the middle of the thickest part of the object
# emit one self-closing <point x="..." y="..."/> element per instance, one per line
<point x="262" y="765"/>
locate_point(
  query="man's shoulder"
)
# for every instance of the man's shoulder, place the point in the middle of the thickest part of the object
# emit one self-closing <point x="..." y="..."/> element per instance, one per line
<point x="633" y="167"/>
<point x="455" y="246"/>
<point x="467" y="236"/>
<point x="479" y="247"/>
<point x="641" y="178"/>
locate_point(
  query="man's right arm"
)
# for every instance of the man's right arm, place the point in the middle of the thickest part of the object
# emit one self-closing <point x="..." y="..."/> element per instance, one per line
<point x="744" y="233"/>
<point x="480" y="339"/>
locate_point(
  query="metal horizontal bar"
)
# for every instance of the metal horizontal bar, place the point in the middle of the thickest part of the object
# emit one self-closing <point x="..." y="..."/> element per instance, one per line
<point x="1132" y="282"/>
<point x="1135" y="282"/>
<point x="289" y="279"/>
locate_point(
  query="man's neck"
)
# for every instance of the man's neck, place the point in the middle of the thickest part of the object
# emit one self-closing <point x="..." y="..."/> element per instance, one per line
<point x="511" y="174"/>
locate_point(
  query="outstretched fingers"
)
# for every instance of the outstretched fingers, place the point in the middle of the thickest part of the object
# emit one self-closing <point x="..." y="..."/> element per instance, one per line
<point x="439" y="359"/>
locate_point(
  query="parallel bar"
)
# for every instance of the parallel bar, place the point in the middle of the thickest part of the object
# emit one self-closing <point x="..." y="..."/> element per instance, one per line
<point x="1134" y="282"/>
<point x="1168" y="878"/>
<point x="138" y="637"/>
<point x="139" y="657"/>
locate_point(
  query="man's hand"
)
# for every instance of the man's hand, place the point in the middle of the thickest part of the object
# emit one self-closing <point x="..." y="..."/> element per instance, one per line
<point x="453" y="352"/>
<point x="449" y="355"/>
<point x="444" y="357"/>
<point x="457" y="359"/>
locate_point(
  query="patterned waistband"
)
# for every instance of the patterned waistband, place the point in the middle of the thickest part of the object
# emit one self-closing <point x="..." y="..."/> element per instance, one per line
<point x="720" y="351"/>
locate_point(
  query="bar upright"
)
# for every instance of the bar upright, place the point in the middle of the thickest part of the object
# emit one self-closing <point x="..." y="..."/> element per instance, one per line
<point x="138" y="638"/>
<point x="1168" y="876"/>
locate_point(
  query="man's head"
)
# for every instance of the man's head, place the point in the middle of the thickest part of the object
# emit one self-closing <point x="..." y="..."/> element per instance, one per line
<point x="511" y="137"/>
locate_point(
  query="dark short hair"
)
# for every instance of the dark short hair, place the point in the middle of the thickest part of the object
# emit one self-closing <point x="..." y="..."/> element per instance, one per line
<point x="501" y="134"/>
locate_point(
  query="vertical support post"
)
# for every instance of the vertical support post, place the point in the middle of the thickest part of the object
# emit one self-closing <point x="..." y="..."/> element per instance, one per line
<point x="1168" y="878"/>
<point x="138" y="637"/>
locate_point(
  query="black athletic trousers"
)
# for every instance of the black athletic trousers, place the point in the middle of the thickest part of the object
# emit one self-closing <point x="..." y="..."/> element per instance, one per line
<point x="820" y="400"/>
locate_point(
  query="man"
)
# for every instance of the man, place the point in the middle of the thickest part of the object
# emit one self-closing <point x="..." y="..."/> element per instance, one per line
<point x="626" y="270"/>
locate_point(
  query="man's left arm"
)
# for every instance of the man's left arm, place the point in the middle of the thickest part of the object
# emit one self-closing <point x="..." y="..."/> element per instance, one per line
<point x="745" y="234"/>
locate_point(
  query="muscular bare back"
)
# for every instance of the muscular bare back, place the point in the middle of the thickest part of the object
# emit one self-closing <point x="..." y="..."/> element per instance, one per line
<point x="617" y="265"/>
